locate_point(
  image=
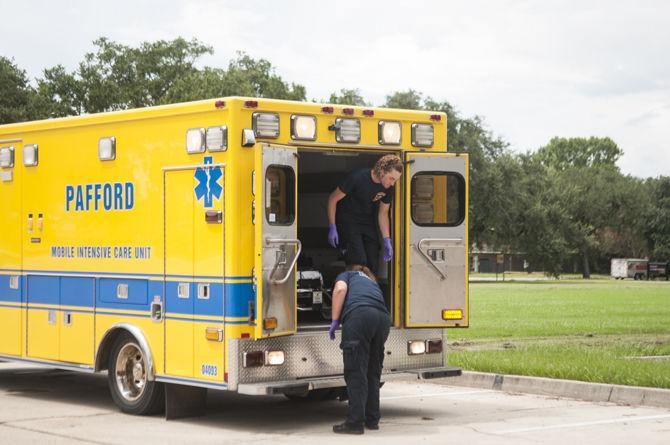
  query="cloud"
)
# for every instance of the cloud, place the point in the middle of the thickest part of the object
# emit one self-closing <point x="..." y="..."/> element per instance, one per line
<point x="532" y="69"/>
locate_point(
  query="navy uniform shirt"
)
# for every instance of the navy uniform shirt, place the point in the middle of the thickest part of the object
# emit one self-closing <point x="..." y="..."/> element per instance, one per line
<point x="363" y="196"/>
<point x="361" y="291"/>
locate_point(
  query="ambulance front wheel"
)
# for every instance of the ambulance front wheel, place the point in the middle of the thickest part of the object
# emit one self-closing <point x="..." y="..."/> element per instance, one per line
<point x="131" y="389"/>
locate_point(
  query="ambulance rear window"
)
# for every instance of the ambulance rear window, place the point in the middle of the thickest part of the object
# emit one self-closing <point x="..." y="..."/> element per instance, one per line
<point x="280" y="195"/>
<point x="438" y="199"/>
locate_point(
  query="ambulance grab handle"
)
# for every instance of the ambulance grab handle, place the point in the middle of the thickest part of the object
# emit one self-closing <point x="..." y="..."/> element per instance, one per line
<point x="295" y="258"/>
<point x="419" y="247"/>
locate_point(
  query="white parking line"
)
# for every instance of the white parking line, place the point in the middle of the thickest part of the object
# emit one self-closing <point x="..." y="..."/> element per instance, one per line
<point x="581" y="424"/>
<point x="436" y="394"/>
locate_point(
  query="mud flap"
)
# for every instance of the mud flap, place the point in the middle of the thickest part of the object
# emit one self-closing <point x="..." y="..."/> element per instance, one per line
<point x="436" y="373"/>
<point x="184" y="401"/>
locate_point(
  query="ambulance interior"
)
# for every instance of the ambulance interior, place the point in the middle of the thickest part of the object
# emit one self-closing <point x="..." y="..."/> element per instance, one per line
<point x="319" y="172"/>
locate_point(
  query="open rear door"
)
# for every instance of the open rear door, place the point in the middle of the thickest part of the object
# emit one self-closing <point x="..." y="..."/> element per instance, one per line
<point x="436" y="272"/>
<point x="276" y="240"/>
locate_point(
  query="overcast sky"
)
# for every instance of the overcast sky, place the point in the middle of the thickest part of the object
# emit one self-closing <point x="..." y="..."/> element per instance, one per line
<point x="531" y="69"/>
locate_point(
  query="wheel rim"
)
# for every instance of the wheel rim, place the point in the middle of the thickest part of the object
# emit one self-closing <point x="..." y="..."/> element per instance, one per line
<point x="131" y="375"/>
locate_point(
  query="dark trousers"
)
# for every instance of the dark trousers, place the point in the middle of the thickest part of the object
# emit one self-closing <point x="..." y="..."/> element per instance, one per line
<point x="360" y="244"/>
<point x="364" y="333"/>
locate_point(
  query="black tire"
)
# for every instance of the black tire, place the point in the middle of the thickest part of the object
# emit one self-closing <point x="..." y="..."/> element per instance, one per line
<point x="131" y="389"/>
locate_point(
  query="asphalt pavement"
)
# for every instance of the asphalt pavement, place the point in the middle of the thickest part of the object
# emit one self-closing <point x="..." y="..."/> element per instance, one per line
<point x="42" y="405"/>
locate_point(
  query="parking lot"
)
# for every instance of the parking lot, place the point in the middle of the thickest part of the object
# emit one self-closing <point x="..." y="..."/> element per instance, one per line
<point x="39" y="405"/>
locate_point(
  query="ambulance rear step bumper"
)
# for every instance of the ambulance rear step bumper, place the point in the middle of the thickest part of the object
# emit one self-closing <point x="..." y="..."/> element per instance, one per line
<point x="304" y="385"/>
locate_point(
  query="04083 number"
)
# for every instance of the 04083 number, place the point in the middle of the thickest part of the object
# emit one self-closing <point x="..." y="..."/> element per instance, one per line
<point x="209" y="370"/>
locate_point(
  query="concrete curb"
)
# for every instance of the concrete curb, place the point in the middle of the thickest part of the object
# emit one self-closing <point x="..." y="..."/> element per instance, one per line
<point x="593" y="392"/>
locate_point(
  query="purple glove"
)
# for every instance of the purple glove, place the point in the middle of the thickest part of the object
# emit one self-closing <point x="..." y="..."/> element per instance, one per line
<point x="388" y="249"/>
<point x="333" y="326"/>
<point x="333" y="239"/>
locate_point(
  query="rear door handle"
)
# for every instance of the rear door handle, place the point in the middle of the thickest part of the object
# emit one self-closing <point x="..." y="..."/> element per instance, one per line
<point x="432" y="254"/>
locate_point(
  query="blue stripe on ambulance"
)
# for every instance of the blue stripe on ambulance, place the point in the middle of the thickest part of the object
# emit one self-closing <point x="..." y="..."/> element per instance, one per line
<point x="81" y="292"/>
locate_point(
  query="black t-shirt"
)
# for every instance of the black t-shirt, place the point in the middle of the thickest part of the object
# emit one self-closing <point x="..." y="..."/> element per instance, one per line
<point x="362" y="198"/>
<point x="361" y="291"/>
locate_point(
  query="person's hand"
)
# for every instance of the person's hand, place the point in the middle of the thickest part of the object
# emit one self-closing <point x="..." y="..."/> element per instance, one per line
<point x="333" y="238"/>
<point x="333" y="326"/>
<point x="388" y="249"/>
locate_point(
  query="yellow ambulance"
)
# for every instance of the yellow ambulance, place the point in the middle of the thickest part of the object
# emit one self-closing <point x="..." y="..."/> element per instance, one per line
<point x="184" y="247"/>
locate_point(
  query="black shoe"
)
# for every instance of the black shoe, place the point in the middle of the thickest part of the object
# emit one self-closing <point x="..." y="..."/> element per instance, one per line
<point x="372" y="426"/>
<point x="347" y="428"/>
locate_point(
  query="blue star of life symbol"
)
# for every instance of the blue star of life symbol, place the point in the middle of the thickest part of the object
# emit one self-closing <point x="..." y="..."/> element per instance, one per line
<point x="208" y="183"/>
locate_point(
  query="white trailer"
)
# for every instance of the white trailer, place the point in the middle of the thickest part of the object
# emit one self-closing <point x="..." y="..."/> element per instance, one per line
<point x="634" y="268"/>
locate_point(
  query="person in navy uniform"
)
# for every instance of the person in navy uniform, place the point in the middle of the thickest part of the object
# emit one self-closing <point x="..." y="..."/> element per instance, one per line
<point x="358" y="302"/>
<point x="357" y="206"/>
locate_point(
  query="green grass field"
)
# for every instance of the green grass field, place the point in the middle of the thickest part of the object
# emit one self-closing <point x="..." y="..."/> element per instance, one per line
<point x="590" y="330"/>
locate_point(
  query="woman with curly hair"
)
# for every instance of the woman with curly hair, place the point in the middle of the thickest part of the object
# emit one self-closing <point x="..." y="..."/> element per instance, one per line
<point x="355" y="208"/>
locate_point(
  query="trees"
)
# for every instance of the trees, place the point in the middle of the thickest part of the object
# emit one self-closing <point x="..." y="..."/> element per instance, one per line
<point x="348" y="97"/>
<point x="657" y="229"/>
<point x="567" y="197"/>
<point x="245" y="76"/>
<point x="604" y="208"/>
<point x="16" y="95"/>
<point x="116" y="77"/>
<point x="565" y="153"/>
<point x="410" y="100"/>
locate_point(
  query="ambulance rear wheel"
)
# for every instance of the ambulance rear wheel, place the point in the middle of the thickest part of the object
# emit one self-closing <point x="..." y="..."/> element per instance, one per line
<point x="127" y="375"/>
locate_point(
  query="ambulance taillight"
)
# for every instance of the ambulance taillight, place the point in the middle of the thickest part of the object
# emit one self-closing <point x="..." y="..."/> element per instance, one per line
<point x="434" y="346"/>
<point x="274" y="358"/>
<point x="253" y="359"/>
<point x="416" y="347"/>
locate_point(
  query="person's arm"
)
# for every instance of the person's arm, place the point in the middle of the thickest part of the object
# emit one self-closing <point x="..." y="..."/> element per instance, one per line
<point x="383" y="218"/>
<point x="333" y="199"/>
<point x="339" y="293"/>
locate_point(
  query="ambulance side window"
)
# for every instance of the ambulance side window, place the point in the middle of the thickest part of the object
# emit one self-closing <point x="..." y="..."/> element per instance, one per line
<point x="280" y="195"/>
<point x="438" y="199"/>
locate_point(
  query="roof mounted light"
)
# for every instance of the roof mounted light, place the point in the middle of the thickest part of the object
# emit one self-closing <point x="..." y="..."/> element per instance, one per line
<point x="30" y="155"/>
<point x="195" y="140"/>
<point x="389" y="132"/>
<point x="217" y="138"/>
<point x="422" y="135"/>
<point x="107" y="148"/>
<point x="347" y="130"/>
<point x="303" y="127"/>
<point x="348" y="111"/>
<point x="327" y="109"/>
<point x="7" y="157"/>
<point x="265" y="125"/>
